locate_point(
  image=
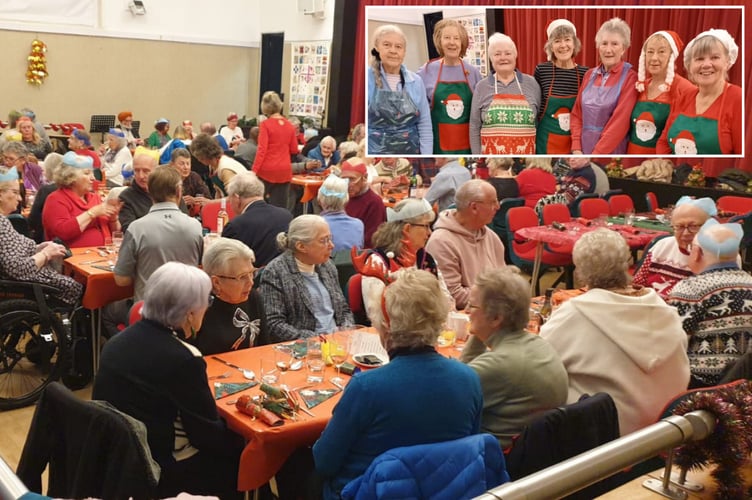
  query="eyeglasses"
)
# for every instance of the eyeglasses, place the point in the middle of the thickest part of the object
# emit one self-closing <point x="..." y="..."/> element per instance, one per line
<point x="247" y="277"/>
<point x="494" y="203"/>
<point x="326" y="241"/>
<point x="691" y="228"/>
<point x="11" y="159"/>
<point x="424" y="226"/>
<point x="210" y="300"/>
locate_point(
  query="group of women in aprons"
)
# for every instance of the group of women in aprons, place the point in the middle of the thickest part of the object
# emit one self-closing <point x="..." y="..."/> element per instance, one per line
<point x="565" y="108"/>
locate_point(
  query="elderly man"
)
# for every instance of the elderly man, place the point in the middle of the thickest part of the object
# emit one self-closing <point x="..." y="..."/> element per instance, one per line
<point x="520" y="374"/>
<point x="715" y="305"/>
<point x="444" y="186"/>
<point x="364" y="204"/>
<point x="258" y="222"/>
<point x="136" y="199"/>
<point x="246" y="151"/>
<point x="209" y="128"/>
<point x="667" y="262"/>
<point x="164" y="234"/>
<point x="461" y="243"/>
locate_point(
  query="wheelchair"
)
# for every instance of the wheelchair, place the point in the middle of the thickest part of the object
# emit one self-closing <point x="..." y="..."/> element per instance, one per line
<point x="42" y="339"/>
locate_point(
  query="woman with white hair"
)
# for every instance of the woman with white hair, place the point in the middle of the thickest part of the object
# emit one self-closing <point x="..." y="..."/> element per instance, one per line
<point x="347" y="232"/>
<point x="326" y="153"/>
<point x="235" y="319"/>
<point x="559" y="79"/>
<point x="600" y="117"/>
<point x="707" y="121"/>
<point x="659" y="89"/>
<point x="52" y="163"/>
<point x="115" y="157"/>
<point x="505" y="105"/>
<point x="399" y="119"/>
<point x="304" y="272"/>
<point x="397" y="405"/>
<point x="149" y="372"/>
<point x="642" y="363"/>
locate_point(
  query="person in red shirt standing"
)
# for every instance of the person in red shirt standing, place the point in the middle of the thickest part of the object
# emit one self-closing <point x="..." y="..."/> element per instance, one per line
<point x="276" y="143"/>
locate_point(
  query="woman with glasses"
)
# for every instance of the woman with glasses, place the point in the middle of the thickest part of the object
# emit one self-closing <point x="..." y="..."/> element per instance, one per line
<point x="149" y="372"/>
<point x="15" y="154"/>
<point x="235" y="320"/>
<point x="667" y="261"/>
<point x="300" y="289"/>
<point x="399" y="243"/>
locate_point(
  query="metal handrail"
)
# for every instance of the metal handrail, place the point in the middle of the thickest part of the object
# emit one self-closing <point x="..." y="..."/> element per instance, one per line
<point x="10" y="485"/>
<point x="606" y="460"/>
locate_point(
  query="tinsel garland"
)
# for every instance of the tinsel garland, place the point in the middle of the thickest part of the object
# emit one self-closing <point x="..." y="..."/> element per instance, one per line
<point x="36" y="70"/>
<point x="729" y="446"/>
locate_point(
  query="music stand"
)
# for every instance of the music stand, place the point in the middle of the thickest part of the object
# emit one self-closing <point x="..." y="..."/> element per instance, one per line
<point x="135" y="127"/>
<point x="102" y="124"/>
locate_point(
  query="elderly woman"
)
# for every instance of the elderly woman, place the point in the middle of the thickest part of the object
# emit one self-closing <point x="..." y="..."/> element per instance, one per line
<point x="642" y="363"/>
<point x="73" y="213"/>
<point x="449" y="86"/>
<point x="222" y="168"/>
<point x="160" y="136"/>
<point x="707" y="121"/>
<point x="16" y="154"/>
<point x="362" y="426"/>
<point x="399" y="243"/>
<point x="235" y="320"/>
<point x="20" y="257"/>
<point x="667" y="261"/>
<point x="326" y="153"/>
<point x="520" y="373"/>
<point x="150" y="373"/>
<point x="347" y="232"/>
<point x="276" y="143"/>
<point x="126" y="125"/>
<point x="303" y="271"/>
<point x="501" y="177"/>
<point x="195" y="190"/>
<point x="536" y="180"/>
<point x="399" y="118"/>
<point x="80" y="143"/>
<point x="600" y="117"/>
<point x="659" y="89"/>
<point x="231" y="132"/>
<point x="505" y="105"/>
<point x="32" y="140"/>
<point x="559" y="79"/>
<point x="116" y="157"/>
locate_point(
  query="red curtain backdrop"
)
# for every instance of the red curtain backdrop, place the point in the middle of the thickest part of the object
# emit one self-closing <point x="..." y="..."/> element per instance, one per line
<point x="528" y="28"/>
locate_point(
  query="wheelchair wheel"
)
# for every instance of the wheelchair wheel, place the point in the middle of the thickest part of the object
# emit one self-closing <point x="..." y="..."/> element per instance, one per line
<point x="31" y="356"/>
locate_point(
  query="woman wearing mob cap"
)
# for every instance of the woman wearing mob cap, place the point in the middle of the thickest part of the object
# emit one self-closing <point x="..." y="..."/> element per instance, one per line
<point x="559" y="79"/>
<point x="73" y="212"/>
<point x="115" y="157"/>
<point x="659" y="87"/>
<point x="712" y="114"/>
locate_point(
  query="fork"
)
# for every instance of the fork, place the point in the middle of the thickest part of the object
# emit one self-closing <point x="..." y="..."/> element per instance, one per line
<point x="224" y="375"/>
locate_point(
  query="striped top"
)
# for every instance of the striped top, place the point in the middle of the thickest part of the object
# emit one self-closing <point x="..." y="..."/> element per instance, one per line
<point x="566" y="82"/>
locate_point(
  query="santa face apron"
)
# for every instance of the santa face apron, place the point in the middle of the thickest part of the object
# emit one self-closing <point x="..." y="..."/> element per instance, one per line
<point x="553" y="136"/>
<point x="509" y="125"/>
<point x="598" y="104"/>
<point x="704" y="132"/>
<point x="451" y="116"/>
<point x="393" y="122"/>
<point x="644" y="134"/>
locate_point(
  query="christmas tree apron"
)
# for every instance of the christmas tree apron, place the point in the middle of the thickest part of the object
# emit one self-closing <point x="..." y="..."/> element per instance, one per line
<point x="450" y="115"/>
<point x="509" y="125"/>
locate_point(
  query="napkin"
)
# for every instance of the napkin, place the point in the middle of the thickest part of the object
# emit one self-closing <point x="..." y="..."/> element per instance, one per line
<point x="314" y="397"/>
<point x="222" y="389"/>
<point x="298" y="349"/>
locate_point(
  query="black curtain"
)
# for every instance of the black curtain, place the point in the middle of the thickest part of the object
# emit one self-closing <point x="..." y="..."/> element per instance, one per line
<point x="430" y="20"/>
<point x="272" y="46"/>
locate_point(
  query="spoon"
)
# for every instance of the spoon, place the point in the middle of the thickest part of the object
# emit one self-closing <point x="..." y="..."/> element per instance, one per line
<point x="246" y="373"/>
<point x="296" y="365"/>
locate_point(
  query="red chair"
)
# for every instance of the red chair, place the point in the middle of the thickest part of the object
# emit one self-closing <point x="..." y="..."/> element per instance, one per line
<point x="209" y="214"/>
<point x="135" y="313"/>
<point x="556" y="212"/>
<point x="735" y="204"/>
<point x="652" y="201"/>
<point x="522" y="252"/>
<point x="592" y="208"/>
<point x="354" y="297"/>
<point x="620" y="204"/>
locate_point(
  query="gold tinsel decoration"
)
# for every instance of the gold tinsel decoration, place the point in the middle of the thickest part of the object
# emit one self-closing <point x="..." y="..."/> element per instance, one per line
<point x="36" y="71"/>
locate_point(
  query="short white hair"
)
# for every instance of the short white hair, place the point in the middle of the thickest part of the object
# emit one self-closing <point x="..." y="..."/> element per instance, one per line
<point x="333" y="193"/>
<point x="219" y="257"/>
<point x="498" y="38"/>
<point x="174" y="290"/>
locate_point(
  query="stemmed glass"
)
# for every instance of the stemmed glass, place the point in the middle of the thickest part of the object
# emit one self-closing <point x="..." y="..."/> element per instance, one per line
<point x="339" y="349"/>
<point x="117" y="240"/>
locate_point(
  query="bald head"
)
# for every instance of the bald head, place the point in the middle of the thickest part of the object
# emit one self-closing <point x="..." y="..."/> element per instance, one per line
<point x="143" y="165"/>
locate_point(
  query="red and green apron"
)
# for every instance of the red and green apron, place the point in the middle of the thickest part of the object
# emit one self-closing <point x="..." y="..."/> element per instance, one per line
<point x="509" y="125"/>
<point x="550" y="138"/>
<point x="659" y="111"/>
<point x="451" y="135"/>
<point x="705" y="131"/>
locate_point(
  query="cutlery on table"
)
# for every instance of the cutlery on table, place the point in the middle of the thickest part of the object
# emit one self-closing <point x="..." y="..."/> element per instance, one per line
<point x="246" y="373"/>
<point x="224" y="375"/>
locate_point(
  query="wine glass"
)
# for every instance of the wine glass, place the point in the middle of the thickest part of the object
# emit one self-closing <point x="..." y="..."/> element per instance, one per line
<point x="117" y="240"/>
<point x="339" y="349"/>
<point x="283" y="361"/>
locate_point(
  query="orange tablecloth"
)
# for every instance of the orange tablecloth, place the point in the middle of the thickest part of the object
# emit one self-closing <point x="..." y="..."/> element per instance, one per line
<point x="268" y="448"/>
<point x="311" y="185"/>
<point x="100" y="284"/>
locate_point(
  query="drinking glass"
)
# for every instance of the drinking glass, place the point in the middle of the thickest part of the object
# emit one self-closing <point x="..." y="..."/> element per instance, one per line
<point x="339" y="349"/>
<point x="269" y="373"/>
<point x="108" y="244"/>
<point x="283" y="360"/>
<point x="629" y="218"/>
<point x="315" y="361"/>
<point x="117" y="240"/>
